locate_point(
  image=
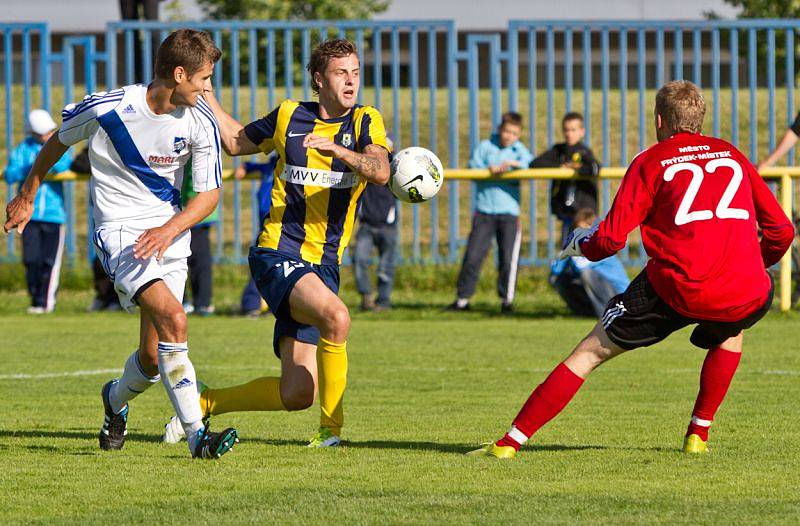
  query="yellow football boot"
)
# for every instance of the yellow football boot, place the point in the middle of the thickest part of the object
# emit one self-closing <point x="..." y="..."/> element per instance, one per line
<point x="493" y="450"/>
<point x="694" y="444"/>
<point x="324" y="438"/>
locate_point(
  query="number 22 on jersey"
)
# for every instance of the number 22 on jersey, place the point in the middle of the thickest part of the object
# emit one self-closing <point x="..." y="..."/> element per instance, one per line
<point x="723" y="211"/>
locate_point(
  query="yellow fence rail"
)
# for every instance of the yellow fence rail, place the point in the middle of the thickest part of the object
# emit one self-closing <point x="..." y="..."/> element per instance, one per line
<point x="783" y="175"/>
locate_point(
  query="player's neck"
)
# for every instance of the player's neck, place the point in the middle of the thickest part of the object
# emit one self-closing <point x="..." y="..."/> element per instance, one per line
<point x="331" y="109"/>
<point x="159" y="98"/>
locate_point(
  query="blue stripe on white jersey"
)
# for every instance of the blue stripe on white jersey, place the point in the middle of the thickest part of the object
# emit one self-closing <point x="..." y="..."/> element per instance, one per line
<point x="90" y="102"/>
<point x="133" y="160"/>
<point x="206" y="111"/>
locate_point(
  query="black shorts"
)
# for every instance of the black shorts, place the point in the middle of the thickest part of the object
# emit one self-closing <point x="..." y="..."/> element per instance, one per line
<point x="275" y="275"/>
<point x="639" y="317"/>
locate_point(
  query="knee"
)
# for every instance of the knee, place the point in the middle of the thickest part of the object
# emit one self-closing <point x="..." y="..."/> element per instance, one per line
<point x="589" y="354"/>
<point x="173" y="326"/>
<point x="337" y="321"/>
<point x="298" y="398"/>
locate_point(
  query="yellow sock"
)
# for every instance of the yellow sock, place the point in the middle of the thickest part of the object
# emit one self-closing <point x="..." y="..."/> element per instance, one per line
<point x="261" y="394"/>
<point x="332" y="374"/>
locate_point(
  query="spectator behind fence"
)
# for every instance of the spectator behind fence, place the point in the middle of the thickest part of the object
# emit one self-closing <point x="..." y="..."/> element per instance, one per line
<point x="496" y="214"/>
<point x="201" y="269"/>
<point x="787" y="142"/>
<point x="569" y="196"/>
<point x="105" y="297"/>
<point x="43" y="238"/>
<point x="252" y="303"/>
<point x="587" y="286"/>
<point x="141" y="10"/>
<point x="377" y="227"/>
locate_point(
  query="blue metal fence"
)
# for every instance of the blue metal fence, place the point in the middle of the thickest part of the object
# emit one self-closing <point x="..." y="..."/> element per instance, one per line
<point x="608" y="70"/>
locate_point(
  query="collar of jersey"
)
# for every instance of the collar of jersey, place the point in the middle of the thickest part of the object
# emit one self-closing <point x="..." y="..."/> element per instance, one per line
<point x="145" y="107"/>
<point x="313" y="108"/>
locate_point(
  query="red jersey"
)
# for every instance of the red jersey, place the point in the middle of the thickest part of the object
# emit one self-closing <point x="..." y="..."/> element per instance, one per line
<point x="699" y="203"/>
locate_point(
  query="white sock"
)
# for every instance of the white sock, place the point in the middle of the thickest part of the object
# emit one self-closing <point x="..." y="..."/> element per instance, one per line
<point x="177" y="374"/>
<point x="134" y="381"/>
<point x="516" y="435"/>
<point x="462" y="302"/>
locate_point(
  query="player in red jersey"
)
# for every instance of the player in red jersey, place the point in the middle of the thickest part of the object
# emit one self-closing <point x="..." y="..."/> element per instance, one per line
<point x="700" y="204"/>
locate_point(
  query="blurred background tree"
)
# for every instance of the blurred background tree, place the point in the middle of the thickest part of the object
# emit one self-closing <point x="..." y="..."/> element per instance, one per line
<point x="293" y="9"/>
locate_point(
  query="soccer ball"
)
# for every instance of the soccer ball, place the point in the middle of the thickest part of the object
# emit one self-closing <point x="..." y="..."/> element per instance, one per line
<point x="416" y="175"/>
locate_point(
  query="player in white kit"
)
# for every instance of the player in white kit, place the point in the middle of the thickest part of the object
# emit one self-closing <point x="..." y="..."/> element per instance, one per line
<point x="141" y="138"/>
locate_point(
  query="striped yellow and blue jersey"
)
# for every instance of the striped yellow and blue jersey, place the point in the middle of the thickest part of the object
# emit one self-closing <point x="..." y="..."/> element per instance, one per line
<point x="314" y="198"/>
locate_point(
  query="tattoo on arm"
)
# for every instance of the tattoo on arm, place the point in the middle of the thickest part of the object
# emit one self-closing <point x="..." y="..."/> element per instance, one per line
<point x="366" y="165"/>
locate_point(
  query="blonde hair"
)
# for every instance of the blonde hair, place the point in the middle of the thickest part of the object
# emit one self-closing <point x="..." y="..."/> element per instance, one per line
<point x="681" y="106"/>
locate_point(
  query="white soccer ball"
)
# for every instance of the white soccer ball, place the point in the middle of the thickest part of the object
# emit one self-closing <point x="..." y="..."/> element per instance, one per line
<point x="416" y="176"/>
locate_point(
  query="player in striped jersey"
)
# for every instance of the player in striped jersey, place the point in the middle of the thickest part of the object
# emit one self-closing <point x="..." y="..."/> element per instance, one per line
<point x="140" y="139"/>
<point x="328" y="152"/>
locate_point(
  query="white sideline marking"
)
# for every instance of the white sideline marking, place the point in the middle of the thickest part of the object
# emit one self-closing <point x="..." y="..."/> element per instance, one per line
<point x="98" y="372"/>
<point x="22" y="376"/>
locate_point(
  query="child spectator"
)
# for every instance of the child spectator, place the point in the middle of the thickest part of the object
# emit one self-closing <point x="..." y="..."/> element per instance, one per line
<point x="569" y="196"/>
<point x="587" y="286"/>
<point x="377" y="228"/>
<point x="252" y="303"/>
<point x="201" y="270"/>
<point x="43" y="238"/>
<point x="496" y="214"/>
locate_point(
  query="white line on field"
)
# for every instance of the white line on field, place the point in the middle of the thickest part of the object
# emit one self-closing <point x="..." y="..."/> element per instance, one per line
<point x="98" y="372"/>
<point x="42" y="376"/>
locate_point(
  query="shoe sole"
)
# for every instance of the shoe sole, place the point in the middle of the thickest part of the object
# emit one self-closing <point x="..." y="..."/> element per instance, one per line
<point x="227" y="443"/>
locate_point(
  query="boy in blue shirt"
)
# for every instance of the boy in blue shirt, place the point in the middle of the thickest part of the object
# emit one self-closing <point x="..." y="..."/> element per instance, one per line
<point x="43" y="238"/>
<point x="496" y="214"/>
<point x="587" y="286"/>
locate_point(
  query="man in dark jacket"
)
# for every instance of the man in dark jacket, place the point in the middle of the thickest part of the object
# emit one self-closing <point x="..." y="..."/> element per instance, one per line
<point x="377" y="228"/>
<point x="569" y="196"/>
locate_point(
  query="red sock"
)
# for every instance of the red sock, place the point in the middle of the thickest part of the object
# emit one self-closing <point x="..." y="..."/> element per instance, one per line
<point x="715" y="378"/>
<point x="546" y="401"/>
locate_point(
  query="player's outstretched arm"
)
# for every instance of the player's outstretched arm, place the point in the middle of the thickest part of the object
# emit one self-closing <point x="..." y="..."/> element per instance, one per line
<point x="154" y="242"/>
<point x="20" y="209"/>
<point x="234" y="140"/>
<point x="373" y="164"/>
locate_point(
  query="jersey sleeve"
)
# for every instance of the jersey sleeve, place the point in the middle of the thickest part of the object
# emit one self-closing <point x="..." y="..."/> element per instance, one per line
<point x="79" y="121"/>
<point x="777" y="232"/>
<point x="631" y="206"/>
<point x="795" y="127"/>
<point x="372" y="130"/>
<point x="262" y="132"/>
<point x="206" y="154"/>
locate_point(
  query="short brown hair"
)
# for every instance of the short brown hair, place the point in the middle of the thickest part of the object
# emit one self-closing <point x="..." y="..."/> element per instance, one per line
<point x="187" y="48"/>
<point x="681" y="106"/>
<point x="511" y="117"/>
<point x="572" y="116"/>
<point x="323" y="53"/>
<point x="585" y="215"/>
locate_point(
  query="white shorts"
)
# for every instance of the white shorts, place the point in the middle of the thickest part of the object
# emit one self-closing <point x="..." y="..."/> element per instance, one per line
<point x="115" y="244"/>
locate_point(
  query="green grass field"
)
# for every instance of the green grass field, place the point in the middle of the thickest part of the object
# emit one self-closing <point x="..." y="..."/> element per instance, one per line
<point x="424" y="388"/>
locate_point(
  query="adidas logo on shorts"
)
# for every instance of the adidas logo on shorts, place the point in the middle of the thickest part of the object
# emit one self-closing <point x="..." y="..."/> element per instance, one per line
<point x="611" y="314"/>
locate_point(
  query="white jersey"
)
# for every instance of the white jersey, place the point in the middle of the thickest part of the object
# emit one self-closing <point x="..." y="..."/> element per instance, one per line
<point x="138" y="157"/>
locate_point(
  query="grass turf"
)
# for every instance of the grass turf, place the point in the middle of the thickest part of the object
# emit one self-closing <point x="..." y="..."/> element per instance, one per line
<point x="424" y="388"/>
